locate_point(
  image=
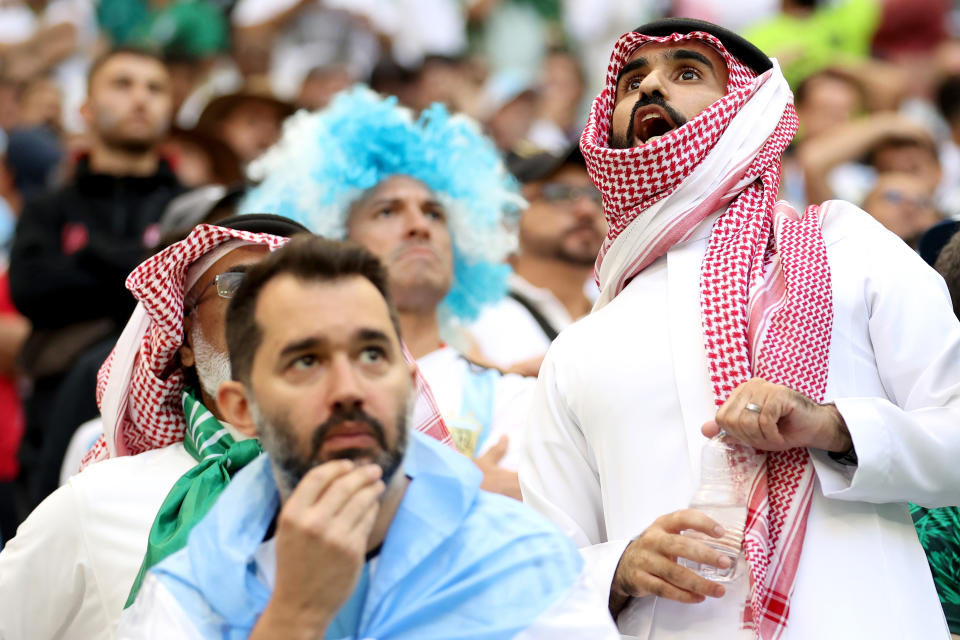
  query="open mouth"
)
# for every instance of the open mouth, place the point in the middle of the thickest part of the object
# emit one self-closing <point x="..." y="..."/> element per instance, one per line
<point x="651" y="122"/>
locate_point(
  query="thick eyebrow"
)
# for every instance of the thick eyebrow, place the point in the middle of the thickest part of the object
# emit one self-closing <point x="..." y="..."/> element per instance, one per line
<point x="396" y="201"/>
<point x="371" y="335"/>
<point x="675" y="54"/>
<point x="633" y="65"/>
<point x="313" y="342"/>
<point x="302" y="345"/>
<point x="687" y="54"/>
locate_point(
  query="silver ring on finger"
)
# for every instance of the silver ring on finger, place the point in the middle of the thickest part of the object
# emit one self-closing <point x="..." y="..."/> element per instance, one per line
<point x="755" y="408"/>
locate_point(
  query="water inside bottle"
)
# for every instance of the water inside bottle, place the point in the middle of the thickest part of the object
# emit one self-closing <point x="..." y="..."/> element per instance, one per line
<point x="732" y="519"/>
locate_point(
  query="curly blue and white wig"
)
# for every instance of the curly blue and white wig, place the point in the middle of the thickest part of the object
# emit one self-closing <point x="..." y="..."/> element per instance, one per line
<point x="325" y="160"/>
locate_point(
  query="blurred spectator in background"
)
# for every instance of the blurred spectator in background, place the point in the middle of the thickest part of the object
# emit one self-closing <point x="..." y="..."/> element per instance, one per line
<point x="320" y="85"/>
<point x="283" y="40"/>
<point x="903" y="203"/>
<point x="35" y="159"/>
<point x="74" y="246"/>
<point x="248" y="122"/>
<point x="540" y="113"/>
<point x="560" y="234"/>
<point x="13" y="331"/>
<point x="41" y="104"/>
<point x="948" y="104"/>
<point x="59" y="38"/>
<point x="200" y="158"/>
<point x="845" y="161"/>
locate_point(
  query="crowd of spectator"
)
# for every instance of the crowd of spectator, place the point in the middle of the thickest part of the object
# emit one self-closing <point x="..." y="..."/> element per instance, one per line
<point x="103" y="159"/>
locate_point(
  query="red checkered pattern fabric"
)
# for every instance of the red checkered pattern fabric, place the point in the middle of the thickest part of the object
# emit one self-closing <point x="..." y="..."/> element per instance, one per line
<point x="152" y="415"/>
<point x="765" y="291"/>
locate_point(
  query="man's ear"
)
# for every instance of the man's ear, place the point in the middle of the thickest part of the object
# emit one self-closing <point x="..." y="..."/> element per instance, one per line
<point x="233" y="404"/>
<point x="86" y="112"/>
<point x="187" y="358"/>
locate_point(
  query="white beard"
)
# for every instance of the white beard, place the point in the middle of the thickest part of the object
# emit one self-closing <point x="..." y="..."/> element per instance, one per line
<point x="213" y="366"/>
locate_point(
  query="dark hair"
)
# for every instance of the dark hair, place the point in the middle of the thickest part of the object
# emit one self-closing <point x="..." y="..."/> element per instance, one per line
<point x="948" y="266"/>
<point x="308" y="258"/>
<point x="803" y="89"/>
<point x="948" y="98"/>
<point x="121" y="51"/>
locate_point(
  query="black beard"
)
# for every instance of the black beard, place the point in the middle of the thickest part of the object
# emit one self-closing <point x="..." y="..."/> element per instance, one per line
<point x="626" y="140"/>
<point x="278" y="441"/>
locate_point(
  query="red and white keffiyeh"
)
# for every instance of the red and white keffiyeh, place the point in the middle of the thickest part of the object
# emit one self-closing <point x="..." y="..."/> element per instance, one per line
<point x="765" y="291"/>
<point x="139" y="385"/>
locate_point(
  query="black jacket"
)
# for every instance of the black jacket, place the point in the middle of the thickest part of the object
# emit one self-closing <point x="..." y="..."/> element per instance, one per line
<point x="75" y="246"/>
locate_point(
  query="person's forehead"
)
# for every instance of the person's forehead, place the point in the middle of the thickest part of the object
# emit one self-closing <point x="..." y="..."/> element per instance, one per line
<point x="402" y="187"/>
<point x="290" y="309"/>
<point x="654" y="51"/>
<point x="132" y="64"/>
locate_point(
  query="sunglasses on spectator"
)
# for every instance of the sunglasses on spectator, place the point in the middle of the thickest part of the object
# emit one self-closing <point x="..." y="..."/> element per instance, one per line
<point x="227" y="284"/>
<point x="556" y="192"/>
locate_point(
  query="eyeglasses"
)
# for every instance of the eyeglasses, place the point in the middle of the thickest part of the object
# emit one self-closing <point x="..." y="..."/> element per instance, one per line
<point x="557" y="192"/>
<point x="227" y="284"/>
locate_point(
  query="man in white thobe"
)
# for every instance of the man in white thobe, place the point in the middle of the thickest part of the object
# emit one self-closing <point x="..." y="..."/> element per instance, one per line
<point x="710" y="293"/>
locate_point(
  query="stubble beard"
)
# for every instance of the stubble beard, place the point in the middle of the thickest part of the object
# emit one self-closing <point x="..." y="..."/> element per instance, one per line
<point x="110" y="135"/>
<point x="289" y="466"/>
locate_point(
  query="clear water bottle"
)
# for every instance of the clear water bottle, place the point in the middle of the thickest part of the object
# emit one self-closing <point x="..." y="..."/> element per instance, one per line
<point x="722" y="496"/>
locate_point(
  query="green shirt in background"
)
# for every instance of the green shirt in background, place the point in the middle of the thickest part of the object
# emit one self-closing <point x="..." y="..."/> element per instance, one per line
<point x="833" y="34"/>
<point x="939" y="533"/>
<point x="189" y="28"/>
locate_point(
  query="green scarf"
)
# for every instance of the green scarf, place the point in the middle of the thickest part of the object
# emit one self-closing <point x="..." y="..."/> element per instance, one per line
<point x="939" y="533"/>
<point x="219" y="456"/>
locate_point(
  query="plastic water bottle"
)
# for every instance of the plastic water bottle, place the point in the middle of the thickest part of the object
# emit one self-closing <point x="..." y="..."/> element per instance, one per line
<point x="722" y="496"/>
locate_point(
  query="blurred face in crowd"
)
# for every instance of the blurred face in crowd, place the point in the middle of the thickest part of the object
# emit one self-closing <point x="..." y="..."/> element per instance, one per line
<point x="250" y="128"/>
<point x="915" y="157"/>
<point x="903" y="203"/>
<point x="129" y="103"/>
<point x="512" y="121"/>
<point x="403" y="223"/>
<point x="828" y="100"/>
<point x="328" y="380"/>
<point x="194" y="166"/>
<point x="661" y="87"/>
<point x="40" y="104"/>
<point x="565" y="218"/>
<point x="205" y="342"/>
<point x="321" y="85"/>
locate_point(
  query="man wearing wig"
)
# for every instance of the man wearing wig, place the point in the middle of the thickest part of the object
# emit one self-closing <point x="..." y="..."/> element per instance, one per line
<point x="815" y="344"/>
<point x="75" y="560"/>
<point x="431" y="198"/>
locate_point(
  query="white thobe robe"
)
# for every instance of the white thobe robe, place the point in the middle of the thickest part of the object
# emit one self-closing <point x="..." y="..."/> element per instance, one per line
<point x="68" y="571"/>
<point x="614" y="438"/>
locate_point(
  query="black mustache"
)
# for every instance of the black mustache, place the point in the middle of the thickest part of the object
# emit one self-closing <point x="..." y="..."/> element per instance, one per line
<point x="346" y="415"/>
<point x="655" y="99"/>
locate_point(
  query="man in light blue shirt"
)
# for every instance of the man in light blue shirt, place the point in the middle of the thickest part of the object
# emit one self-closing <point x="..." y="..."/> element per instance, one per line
<point x="351" y="527"/>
